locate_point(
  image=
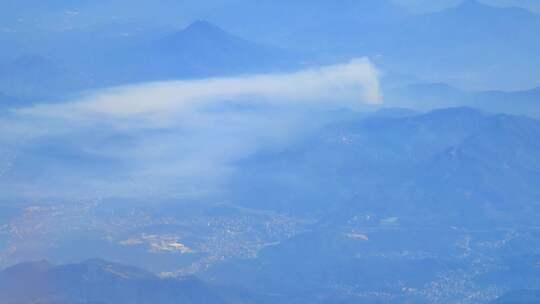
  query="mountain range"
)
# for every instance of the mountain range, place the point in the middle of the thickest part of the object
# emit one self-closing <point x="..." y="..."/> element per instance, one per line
<point x="395" y="193"/>
<point x="200" y="50"/>
<point x="416" y="164"/>
<point x="497" y="46"/>
<point x="429" y="197"/>
<point x="98" y="282"/>
<point x="360" y="204"/>
<point x="439" y="95"/>
<point x="472" y="45"/>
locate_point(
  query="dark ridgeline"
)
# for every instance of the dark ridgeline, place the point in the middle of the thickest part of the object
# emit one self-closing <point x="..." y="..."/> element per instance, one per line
<point x="98" y="282"/>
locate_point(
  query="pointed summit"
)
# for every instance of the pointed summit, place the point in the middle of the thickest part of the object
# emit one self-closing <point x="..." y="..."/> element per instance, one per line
<point x="201" y="36"/>
<point x="203" y="27"/>
<point x="201" y="31"/>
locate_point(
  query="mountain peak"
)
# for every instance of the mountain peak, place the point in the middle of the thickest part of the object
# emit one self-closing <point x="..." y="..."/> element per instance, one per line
<point x="202" y="26"/>
<point x="199" y="34"/>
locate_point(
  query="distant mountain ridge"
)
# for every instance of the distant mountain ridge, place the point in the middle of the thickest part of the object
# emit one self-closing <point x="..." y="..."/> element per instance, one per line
<point x="472" y="44"/>
<point x="464" y="44"/>
<point x="203" y="48"/>
<point x="200" y="50"/>
<point x="97" y="281"/>
<point x="453" y="192"/>
<point x="435" y="191"/>
<point x="440" y="95"/>
<point x="407" y="164"/>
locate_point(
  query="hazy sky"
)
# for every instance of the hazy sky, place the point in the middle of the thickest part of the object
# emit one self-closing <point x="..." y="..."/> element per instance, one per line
<point x="64" y="13"/>
<point x="440" y="4"/>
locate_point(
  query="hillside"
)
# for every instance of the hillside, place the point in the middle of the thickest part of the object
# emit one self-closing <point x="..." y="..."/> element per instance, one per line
<point x="97" y="281"/>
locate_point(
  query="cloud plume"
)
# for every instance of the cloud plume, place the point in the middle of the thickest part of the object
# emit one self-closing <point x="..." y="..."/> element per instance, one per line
<point x="174" y="138"/>
<point x="348" y="84"/>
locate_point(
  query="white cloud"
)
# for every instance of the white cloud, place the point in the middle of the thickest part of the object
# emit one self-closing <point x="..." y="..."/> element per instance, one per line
<point x="347" y="84"/>
<point x="173" y="138"/>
